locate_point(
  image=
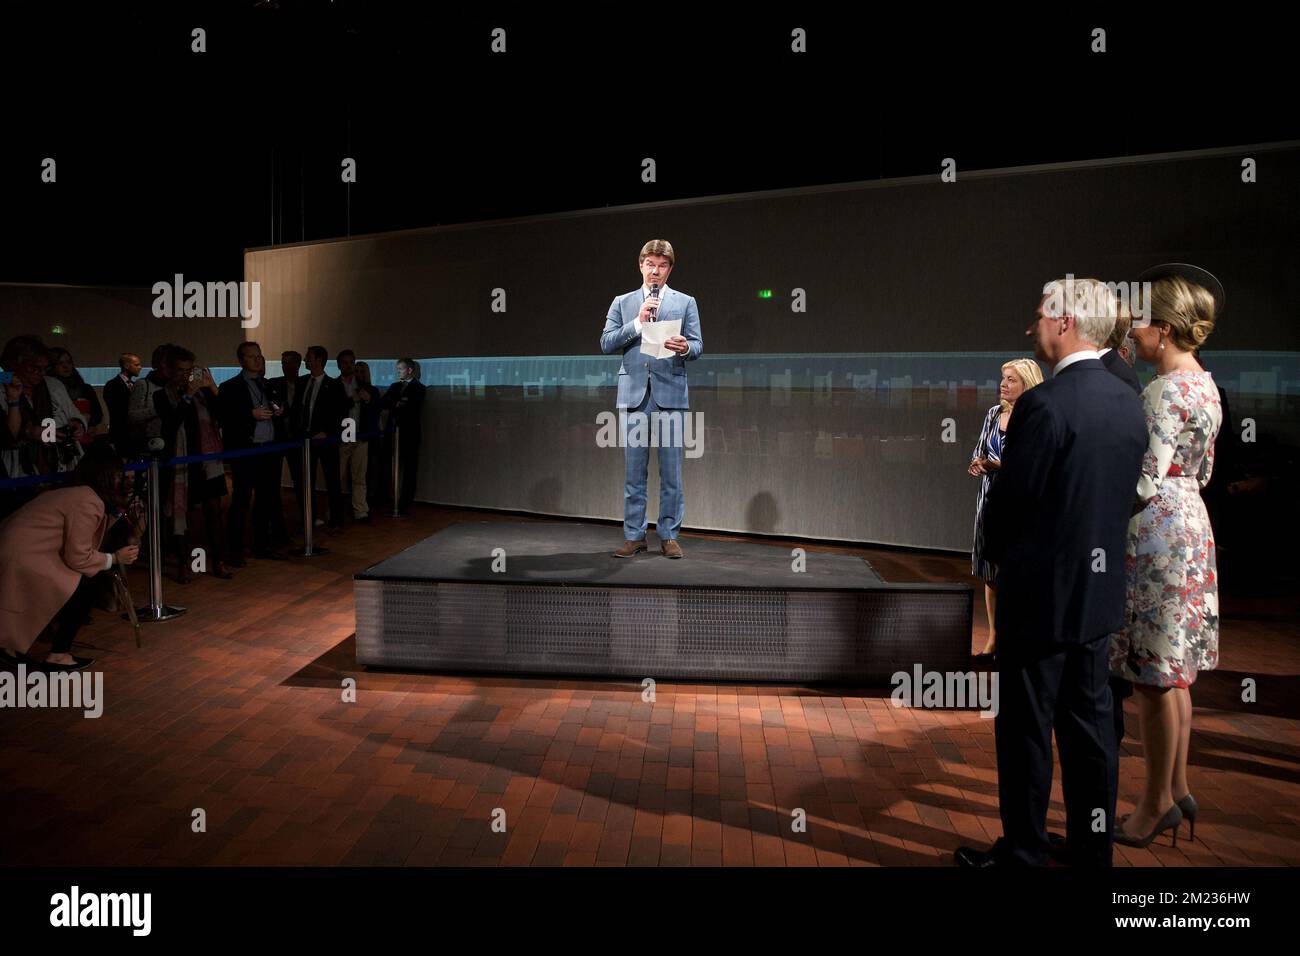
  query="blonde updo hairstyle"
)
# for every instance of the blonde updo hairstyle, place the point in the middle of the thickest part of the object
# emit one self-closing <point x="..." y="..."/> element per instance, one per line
<point x="1187" y="308"/>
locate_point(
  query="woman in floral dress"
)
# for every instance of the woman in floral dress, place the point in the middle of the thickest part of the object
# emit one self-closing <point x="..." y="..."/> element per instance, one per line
<point x="1172" y="613"/>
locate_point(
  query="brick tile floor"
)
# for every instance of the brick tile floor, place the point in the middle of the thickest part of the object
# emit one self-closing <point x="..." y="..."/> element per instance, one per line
<point x="236" y="709"/>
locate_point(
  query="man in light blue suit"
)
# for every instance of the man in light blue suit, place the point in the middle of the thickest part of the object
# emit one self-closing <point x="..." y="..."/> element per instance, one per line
<point x="656" y="389"/>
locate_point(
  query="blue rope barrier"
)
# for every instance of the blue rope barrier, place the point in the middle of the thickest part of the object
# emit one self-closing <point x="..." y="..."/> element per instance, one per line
<point x="28" y="480"/>
<point x="143" y="464"/>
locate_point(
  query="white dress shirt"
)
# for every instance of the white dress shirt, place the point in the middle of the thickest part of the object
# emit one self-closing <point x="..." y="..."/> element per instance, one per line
<point x="1075" y="357"/>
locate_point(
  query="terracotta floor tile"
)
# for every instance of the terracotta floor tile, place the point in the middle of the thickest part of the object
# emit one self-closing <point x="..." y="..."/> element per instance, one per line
<point x="247" y="722"/>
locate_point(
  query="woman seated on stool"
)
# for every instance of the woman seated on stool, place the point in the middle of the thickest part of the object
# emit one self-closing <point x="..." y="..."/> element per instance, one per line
<point x="51" y="556"/>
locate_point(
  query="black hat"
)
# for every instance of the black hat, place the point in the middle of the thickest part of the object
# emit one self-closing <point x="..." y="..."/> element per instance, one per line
<point x="1189" y="273"/>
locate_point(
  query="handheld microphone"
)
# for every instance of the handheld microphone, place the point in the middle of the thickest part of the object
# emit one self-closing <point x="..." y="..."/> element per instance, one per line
<point x="654" y="294"/>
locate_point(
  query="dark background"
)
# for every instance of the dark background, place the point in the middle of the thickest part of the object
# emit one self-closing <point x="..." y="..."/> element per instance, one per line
<point x="175" y="162"/>
<point x="171" y="161"/>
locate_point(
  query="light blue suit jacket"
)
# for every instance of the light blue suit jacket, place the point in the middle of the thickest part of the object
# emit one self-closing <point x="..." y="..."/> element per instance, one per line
<point x="668" y="374"/>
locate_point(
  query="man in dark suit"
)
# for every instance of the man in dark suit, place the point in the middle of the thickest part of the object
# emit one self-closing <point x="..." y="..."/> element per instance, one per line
<point x="287" y="389"/>
<point x="250" y="417"/>
<point x="404" y="402"/>
<point x="117" y="398"/>
<point x="1055" y="525"/>
<point x="322" y="406"/>
<point x="1112" y="357"/>
<point x="1117" y="363"/>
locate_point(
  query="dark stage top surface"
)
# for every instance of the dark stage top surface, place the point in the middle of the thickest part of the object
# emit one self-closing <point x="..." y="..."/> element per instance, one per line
<point x="574" y="553"/>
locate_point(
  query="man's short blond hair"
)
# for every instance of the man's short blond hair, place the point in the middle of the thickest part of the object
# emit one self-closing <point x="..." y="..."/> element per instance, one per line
<point x="657" y="247"/>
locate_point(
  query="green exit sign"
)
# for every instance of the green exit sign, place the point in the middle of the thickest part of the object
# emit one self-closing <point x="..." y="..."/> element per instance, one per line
<point x="765" y="293"/>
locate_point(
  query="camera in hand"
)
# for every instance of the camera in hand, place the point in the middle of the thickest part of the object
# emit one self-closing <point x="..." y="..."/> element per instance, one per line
<point x="67" y="448"/>
<point x="154" y="448"/>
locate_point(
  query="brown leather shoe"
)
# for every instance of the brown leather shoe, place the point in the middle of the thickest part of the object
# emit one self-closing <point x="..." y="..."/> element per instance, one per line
<point x="670" y="548"/>
<point x="630" y="548"/>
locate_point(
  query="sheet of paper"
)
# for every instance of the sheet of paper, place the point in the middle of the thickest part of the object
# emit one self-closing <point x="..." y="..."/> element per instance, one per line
<point x="655" y="334"/>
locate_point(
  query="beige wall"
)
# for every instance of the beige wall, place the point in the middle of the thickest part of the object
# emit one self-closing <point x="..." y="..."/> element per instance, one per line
<point x="101" y="323"/>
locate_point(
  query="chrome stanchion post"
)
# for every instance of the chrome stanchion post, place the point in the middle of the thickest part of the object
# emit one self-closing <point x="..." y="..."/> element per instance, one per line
<point x="156" y="610"/>
<point x="397" y="473"/>
<point x="308" y="499"/>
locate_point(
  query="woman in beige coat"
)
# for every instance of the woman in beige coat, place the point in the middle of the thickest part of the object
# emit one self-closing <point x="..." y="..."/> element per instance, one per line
<point x="51" y="555"/>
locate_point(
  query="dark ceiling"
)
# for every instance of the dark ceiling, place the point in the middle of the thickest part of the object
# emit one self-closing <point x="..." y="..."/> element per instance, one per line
<point x="173" y="161"/>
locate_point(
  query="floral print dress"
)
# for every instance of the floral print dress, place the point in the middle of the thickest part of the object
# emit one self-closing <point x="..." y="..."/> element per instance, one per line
<point x="1172" y="608"/>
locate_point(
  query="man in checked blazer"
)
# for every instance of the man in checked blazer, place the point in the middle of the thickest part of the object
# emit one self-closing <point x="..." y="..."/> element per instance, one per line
<point x="656" y="388"/>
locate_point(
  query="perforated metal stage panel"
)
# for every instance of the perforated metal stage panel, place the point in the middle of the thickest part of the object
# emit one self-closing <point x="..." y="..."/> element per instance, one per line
<point x="730" y="610"/>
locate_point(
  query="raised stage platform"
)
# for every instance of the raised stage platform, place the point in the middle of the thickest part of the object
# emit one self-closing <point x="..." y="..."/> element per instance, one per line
<point x="550" y="598"/>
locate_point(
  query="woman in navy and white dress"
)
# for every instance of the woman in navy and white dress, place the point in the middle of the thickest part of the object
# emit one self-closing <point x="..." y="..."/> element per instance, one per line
<point x="1018" y="376"/>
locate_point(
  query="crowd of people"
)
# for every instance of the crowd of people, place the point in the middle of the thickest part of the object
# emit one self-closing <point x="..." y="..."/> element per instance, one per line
<point x="1098" y="559"/>
<point x="54" y="422"/>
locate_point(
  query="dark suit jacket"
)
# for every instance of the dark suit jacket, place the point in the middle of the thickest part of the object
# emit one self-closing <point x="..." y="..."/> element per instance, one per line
<point x="1116" y="365"/>
<point x="332" y="406"/>
<point x="116" y="398"/>
<point x="368" y="415"/>
<point x="280" y="390"/>
<point x="235" y="412"/>
<point x="405" y="402"/>
<point x="1066" y="487"/>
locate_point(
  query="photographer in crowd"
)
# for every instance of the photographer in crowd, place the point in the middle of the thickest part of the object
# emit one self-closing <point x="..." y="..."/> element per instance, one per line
<point x="58" y="536"/>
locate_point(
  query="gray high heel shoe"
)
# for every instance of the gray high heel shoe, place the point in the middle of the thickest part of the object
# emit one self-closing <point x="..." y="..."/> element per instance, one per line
<point x="1190" y="809"/>
<point x="1170" y="821"/>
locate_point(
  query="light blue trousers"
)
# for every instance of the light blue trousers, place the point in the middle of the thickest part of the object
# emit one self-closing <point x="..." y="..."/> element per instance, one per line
<point x="667" y="428"/>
